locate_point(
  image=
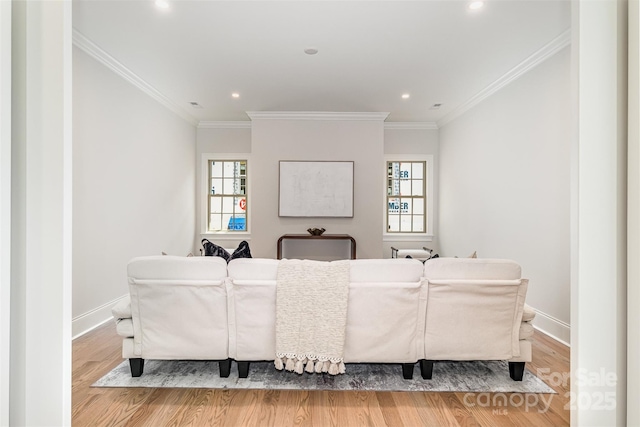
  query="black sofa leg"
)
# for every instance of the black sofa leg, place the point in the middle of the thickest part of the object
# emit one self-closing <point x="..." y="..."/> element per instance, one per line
<point x="243" y="369"/>
<point x="426" y="369"/>
<point x="225" y="368"/>
<point x="516" y="370"/>
<point x="137" y="366"/>
<point x="407" y="370"/>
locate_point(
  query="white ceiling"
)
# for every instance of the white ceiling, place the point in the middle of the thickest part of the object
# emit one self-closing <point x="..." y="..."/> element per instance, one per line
<point x="369" y="52"/>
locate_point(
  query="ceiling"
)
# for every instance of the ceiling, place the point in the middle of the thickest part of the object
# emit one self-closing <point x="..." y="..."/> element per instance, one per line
<point x="369" y="52"/>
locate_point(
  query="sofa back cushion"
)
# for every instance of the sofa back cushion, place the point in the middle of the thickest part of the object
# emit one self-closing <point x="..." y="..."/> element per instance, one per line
<point x="386" y="270"/>
<point x="168" y="267"/>
<point x="253" y="269"/>
<point x="472" y="269"/>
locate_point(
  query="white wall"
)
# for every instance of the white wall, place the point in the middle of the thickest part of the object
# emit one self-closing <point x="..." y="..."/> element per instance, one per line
<point x="133" y="185"/>
<point x="505" y="185"/>
<point x="269" y="141"/>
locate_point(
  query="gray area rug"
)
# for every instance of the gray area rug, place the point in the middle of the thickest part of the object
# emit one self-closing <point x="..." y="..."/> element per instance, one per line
<point x="480" y="376"/>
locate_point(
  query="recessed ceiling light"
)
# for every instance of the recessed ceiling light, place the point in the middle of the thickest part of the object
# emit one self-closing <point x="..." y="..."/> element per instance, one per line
<point x="311" y="51"/>
<point x="162" y="4"/>
<point x="235" y="95"/>
<point x="405" y="96"/>
<point x="476" y="5"/>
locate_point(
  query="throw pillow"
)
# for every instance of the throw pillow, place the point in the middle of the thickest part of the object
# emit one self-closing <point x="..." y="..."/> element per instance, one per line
<point x="211" y="249"/>
<point x="242" y="251"/>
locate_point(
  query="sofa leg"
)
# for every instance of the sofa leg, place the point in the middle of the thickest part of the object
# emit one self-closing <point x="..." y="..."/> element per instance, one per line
<point x="137" y="366"/>
<point x="407" y="370"/>
<point x="225" y="368"/>
<point x="426" y="369"/>
<point x="243" y="369"/>
<point x="516" y="370"/>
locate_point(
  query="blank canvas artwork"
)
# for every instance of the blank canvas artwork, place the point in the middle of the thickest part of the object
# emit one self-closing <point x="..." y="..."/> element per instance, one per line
<point x="316" y="189"/>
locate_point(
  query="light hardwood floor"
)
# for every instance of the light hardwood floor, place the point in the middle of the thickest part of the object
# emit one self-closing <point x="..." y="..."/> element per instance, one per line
<point x="97" y="352"/>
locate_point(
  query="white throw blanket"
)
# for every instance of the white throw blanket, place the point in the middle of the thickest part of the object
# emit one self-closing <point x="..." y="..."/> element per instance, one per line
<point x="311" y="315"/>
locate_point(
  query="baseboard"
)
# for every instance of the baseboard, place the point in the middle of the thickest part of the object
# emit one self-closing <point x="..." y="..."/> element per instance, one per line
<point x="555" y="328"/>
<point x="90" y="320"/>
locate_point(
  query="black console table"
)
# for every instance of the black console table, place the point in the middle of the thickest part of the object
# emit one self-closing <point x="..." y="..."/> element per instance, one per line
<point x="322" y="237"/>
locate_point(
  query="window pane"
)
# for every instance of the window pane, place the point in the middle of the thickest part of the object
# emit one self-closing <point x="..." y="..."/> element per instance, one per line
<point x="216" y="186"/>
<point x="393" y="206"/>
<point x="394" y="223"/>
<point x="227" y="204"/>
<point x="227" y="186"/>
<point x="394" y="170"/>
<point x="215" y="223"/>
<point x="418" y="206"/>
<point x="405" y="188"/>
<point x="405" y="206"/>
<point x="215" y="205"/>
<point x="395" y="187"/>
<point x="405" y="170"/>
<point x="225" y="221"/>
<point x="417" y="170"/>
<point x="229" y="169"/>
<point x="216" y="169"/>
<point x="417" y="187"/>
<point x="418" y="223"/>
<point x="405" y="223"/>
<point x="238" y="222"/>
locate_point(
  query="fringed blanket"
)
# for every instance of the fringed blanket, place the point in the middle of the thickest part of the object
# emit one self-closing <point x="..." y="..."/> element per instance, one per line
<point x="311" y="315"/>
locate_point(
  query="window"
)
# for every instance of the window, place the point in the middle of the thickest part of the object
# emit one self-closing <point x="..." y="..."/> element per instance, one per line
<point x="227" y="200"/>
<point x="407" y="197"/>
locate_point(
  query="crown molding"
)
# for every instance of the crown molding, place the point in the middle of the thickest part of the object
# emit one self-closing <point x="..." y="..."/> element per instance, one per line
<point x="411" y="125"/>
<point x="544" y="53"/>
<point x="117" y="67"/>
<point x="224" y="125"/>
<point x="315" y="115"/>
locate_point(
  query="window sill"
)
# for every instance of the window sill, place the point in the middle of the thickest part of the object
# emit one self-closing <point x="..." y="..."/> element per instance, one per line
<point x="399" y="237"/>
<point x="223" y="235"/>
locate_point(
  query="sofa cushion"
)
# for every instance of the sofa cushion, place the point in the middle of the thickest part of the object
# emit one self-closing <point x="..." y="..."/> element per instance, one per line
<point x="124" y="327"/>
<point x="526" y="330"/>
<point x="170" y="267"/>
<point x="472" y="269"/>
<point x="386" y="270"/>
<point x="253" y="269"/>
<point x="528" y="313"/>
<point x="122" y="310"/>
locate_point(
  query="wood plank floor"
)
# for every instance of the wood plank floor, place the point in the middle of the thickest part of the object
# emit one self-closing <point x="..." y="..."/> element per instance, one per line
<point x="99" y="351"/>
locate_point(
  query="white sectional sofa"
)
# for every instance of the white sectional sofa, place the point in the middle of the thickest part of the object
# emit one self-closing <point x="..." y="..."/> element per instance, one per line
<point x="399" y="311"/>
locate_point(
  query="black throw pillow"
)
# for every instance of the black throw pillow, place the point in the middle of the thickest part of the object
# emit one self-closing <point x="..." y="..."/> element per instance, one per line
<point x="211" y="249"/>
<point x="242" y="251"/>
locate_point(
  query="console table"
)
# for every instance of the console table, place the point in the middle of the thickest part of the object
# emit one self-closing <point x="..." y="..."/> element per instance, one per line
<point x="322" y="237"/>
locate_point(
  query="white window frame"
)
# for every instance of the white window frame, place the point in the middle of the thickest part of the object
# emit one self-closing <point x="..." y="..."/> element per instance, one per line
<point x="427" y="236"/>
<point x="204" y="196"/>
